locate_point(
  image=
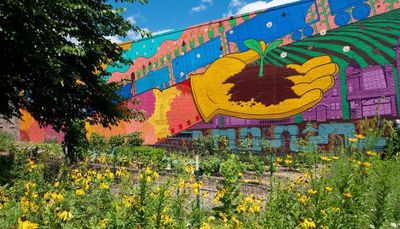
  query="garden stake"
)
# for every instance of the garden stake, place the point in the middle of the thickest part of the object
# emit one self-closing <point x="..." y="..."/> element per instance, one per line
<point x="197" y="174"/>
<point x="115" y="152"/>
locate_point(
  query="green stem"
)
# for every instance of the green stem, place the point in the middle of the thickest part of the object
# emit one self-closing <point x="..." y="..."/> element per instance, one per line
<point x="261" y="73"/>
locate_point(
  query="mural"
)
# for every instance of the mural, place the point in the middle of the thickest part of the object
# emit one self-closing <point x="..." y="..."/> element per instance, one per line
<point x="324" y="62"/>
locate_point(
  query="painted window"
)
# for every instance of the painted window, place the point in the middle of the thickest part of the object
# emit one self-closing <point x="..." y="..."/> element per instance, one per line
<point x="374" y="80"/>
<point x="372" y="107"/>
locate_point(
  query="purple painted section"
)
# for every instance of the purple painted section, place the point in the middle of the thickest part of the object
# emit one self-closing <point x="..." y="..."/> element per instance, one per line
<point x="238" y="122"/>
<point x="330" y="108"/>
<point x="370" y="91"/>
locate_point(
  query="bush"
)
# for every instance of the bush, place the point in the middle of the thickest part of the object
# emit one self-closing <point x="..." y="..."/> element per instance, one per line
<point x="116" y="141"/>
<point x="134" y="139"/>
<point x="98" y="143"/>
<point x="7" y="142"/>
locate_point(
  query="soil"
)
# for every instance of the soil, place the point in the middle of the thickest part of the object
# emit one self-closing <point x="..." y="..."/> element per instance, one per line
<point x="271" y="89"/>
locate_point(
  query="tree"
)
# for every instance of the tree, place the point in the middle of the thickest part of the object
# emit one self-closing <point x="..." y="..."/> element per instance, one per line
<point x="53" y="52"/>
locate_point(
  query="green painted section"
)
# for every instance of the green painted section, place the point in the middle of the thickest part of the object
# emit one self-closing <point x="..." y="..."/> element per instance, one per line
<point x="396" y="84"/>
<point x="221" y="121"/>
<point x="298" y="118"/>
<point x="343" y="90"/>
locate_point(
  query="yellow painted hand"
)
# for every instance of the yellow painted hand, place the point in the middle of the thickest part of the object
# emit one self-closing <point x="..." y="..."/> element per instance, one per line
<point x="215" y="91"/>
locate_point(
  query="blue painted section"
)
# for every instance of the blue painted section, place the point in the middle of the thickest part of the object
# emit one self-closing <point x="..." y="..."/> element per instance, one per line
<point x="274" y="24"/>
<point x="196" y="58"/>
<point x="125" y="91"/>
<point x="324" y="130"/>
<point x="159" y="78"/>
<point x="293" y="131"/>
<point x="144" y="48"/>
<point x="229" y="133"/>
<point x="197" y="134"/>
<point x="337" y="6"/>
<point x="340" y="7"/>
<point x="256" y="135"/>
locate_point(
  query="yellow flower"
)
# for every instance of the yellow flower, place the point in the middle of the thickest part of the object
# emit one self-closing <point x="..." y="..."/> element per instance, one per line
<point x="104" y="186"/>
<point x="306" y="223"/>
<point x="328" y="189"/>
<point x="26" y="224"/>
<point x="65" y="215"/>
<point x="57" y="184"/>
<point x="303" y="199"/>
<point x="335" y="158"/>
<point x="352" y="140"/>
<point x="189" y="169"/>
<point x="371" y="153"/>
<point x="240" y="174"/>
<point x="366" y="164"/>
<point x="205" y="194"/>
<point x="347" y="195"/>
<point x="335" y="209"/>
<point x="205" y="226"/>
<point x="325" y="158"/>
<point x="279" y="160"/>
<point x="128" y="201"/>
<point x="195" y="187"/>
<point x="104" y="223"/>
<point x="79" y="192"/>
<point x="288" y="161"/>
<point x="181" y="183"/>
<point x="359" y="136"/>
<point x="323" y="212"/>
<point x="155" y="175"/>
<point x="312" y="191"/>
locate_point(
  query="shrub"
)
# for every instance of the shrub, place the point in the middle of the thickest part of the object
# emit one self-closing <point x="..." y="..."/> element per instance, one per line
<point x="134" y="139"/>
<point x="116" y="141"/>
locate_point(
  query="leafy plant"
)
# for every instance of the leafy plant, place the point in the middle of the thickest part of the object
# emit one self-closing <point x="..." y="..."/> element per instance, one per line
<point x="134" y="139"/>
<point x="256" y="46"/>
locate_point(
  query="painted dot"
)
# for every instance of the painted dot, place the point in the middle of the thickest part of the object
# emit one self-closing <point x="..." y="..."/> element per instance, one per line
<point x="137" y="53"/>
<point x="152" y="41"/>
<point x="145" y="53"/>
<point x="284" y="54"/>
<point x="144" y="46"/>
<point x="182" y="74"/>
<point x="158" y="48"/>
<point x="206" y="29"/>
<point x="346" y="48"/>
<point x="198" y="55"/>
<point x="269" y="24"/>
<point x="322" y="32"/>
<point x="174" y="42"/>
<point x="182" y="53"/>
<point x="165" y="58"/>
<point x="220" y="56"/>
<point x="231" y="32"/>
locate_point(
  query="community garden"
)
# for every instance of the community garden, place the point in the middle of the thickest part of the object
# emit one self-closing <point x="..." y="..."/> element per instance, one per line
<point x="120" y="184"/>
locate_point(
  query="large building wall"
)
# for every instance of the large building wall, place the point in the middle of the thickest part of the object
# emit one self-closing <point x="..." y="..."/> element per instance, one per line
<point x="337" y="62"/>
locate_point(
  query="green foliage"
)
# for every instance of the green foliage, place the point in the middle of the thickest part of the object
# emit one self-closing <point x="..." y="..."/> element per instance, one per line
<point x="134" y="139"/>
<point x="229" y="188"/>
<point x="75" y="141"/>
<point x="7" y="146"/>
<point x="97" y="142"/>
<point x="148" y="155"/>
<point x="392" y="147"/>
<point x="205" y="145"/>
<point x="7" y="142"/>
<point x="116" y="141"/>
<point x="54" y="51"/>
<point x="211" y="165"/>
